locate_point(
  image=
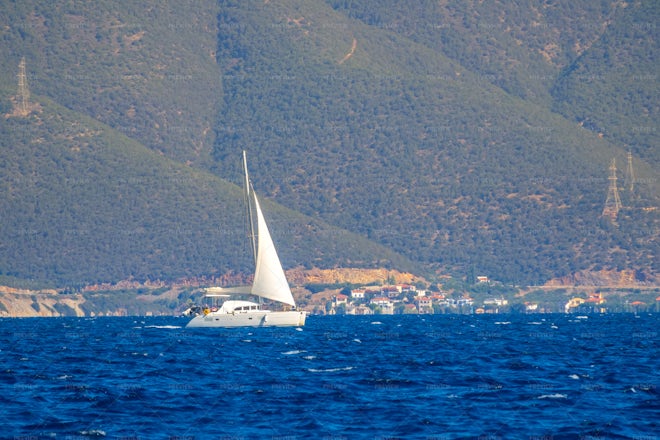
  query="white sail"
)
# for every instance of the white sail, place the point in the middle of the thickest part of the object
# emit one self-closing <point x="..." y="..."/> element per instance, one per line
<point x="269" y="279"/>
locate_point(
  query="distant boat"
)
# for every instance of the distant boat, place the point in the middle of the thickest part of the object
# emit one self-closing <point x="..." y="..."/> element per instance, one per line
<point x="269" y="282"/>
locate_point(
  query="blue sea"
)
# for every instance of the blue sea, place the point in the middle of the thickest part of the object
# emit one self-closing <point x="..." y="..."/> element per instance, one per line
<point x="339" y="377"/>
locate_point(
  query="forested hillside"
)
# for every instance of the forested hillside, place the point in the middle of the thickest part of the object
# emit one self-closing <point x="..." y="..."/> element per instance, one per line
<point x="145" y="68"/>
<point x="612" y="89"/>
<point x="83" y="204"/>
<point x="401" y="135"/>
<point x="460" y="137"/>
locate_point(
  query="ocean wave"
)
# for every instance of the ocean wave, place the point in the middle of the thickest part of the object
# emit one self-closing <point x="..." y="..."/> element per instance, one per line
<point x="163" y="326"/>
<point x="288" y="353"/>
<point x="450" y="376"/>
<point x="553" y="396"/>
<point x="329" y="370"/>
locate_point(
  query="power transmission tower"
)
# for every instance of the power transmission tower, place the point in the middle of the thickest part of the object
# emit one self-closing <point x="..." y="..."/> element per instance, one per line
<point x="23" y="91"/>
<point x="630" y="175"/>
<point x="613" y="202"/>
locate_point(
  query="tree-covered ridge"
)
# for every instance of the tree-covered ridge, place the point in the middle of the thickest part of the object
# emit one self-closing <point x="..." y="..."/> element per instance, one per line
<point x="612" y="89"/>
<point x="519" y="47"/>
<point x="471" y="137"/>
<point x="416" y="151"/>
<point x="85" y="204"/>
<point x="594" y="60"/>
<point x="145" y="68"/>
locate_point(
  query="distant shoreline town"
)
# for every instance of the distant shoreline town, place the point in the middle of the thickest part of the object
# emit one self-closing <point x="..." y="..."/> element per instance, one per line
<point x="342" y="292"/>
<point x="408" y="299"/>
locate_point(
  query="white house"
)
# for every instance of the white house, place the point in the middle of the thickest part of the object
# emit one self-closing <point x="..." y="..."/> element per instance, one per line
<point x="496" y="302"/>
<point x="386" y="306"/>
<point x="339" y="299"/>
<point x="424" y="304"/>
<point x="358" y="293"/>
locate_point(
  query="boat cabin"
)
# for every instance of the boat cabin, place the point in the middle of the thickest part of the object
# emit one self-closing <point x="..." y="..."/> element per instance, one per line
<point x="219" y="303"/>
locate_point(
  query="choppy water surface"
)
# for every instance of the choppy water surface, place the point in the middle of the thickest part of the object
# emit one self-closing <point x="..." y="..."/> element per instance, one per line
<point x="434" y="376"/>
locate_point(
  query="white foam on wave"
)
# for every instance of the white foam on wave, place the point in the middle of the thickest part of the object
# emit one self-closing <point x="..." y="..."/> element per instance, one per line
<point x="328" y="370"/>
<point x="93" y="433"/>
<point x="553" y="396"/>
<point x="287" y="353"/>
<point x="162" y="326"/>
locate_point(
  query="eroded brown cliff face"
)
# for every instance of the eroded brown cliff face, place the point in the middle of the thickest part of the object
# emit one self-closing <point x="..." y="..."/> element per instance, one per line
<point x="605" y="278"/>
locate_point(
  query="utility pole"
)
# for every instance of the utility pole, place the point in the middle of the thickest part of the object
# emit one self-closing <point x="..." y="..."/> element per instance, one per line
<point x="613" y="202"/>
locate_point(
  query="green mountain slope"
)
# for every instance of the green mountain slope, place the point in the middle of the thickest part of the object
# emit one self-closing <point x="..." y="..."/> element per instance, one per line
<point x="145" y="68"/>
<point x="85" y="204"/>
<point x="403" y="144"/>
<point x="518" y="46"/>
<point x="613" y="87"/>
<point x="452" y="136"/>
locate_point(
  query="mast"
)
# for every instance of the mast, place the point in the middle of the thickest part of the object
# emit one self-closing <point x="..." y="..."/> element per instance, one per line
<point x="248" y="207"/>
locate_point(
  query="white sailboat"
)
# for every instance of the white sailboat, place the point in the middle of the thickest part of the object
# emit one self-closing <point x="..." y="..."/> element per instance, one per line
<point x="269" y="282"/>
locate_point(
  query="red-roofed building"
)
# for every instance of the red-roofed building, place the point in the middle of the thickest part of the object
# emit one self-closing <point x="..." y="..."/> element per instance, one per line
<point x="358" y="293"/>
<point x="407" y="288"/>
<point x="424" y="304"/>
<point x="339" y="299"/>
<point x="596" y="298"/>
<point x="409" y="308"/>
<point x="390" y="291"/>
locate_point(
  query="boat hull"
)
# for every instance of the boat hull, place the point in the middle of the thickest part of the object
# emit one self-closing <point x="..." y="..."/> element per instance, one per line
<point x="260" y="318"/>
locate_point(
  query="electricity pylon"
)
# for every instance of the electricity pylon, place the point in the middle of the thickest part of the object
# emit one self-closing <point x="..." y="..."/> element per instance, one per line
<point x="613" y="202"/>
<point x="23" y="91"/>
<point x="629" y="183"/>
